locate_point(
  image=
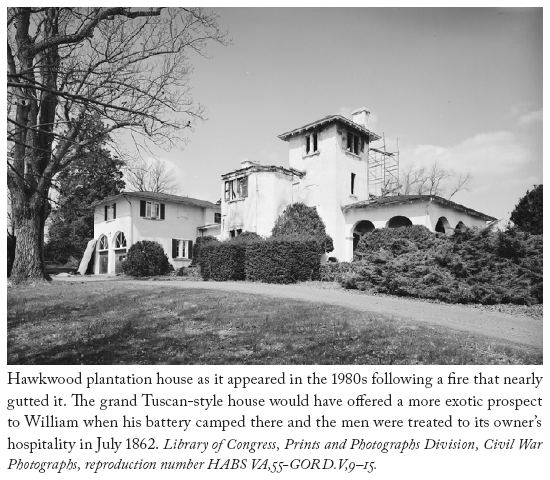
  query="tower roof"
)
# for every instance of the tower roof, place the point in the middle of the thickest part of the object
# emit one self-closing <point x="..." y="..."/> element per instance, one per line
<point x="331" y="119"/>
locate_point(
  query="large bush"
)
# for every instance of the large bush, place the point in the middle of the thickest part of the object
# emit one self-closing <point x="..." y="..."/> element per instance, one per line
<point x="397" y="240"/>
<point x="197" y="247"/>
<point x="298" y="220"/>
<point x="223" y="261"/>
<point x="145" y="259"/>
<point x="283" y="260"/>
<point x="471" y="266"/>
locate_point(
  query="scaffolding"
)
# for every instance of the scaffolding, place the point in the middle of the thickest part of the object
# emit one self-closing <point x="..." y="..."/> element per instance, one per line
<point x="383" y="171"/>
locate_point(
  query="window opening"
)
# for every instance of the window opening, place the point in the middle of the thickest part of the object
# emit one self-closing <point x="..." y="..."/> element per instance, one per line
<point x="308" y="144"/>
<point x="110" y="212"/>
<point x="353" y="143"/>
<point x="103" y="243"/>
<point x="314" y="142"/>
<point x="217" y="218"/>
<point x="352" y="183"/>
<point x="237" y="188"/>
<point x="120" y="240"/>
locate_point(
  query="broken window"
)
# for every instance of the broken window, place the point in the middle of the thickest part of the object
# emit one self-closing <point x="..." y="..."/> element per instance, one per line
<point x="354" y="142"/>
<point x="237" y="188"/>
<point x="243" y="187"/>
<point x="352" y="183"/>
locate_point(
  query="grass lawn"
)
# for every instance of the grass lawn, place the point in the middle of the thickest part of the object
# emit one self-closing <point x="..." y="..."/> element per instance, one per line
<point x="115" y="323"/>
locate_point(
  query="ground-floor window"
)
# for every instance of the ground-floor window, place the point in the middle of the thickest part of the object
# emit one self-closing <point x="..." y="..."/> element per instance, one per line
<point x="182" y="248"/>
<point x="103" y="250"/>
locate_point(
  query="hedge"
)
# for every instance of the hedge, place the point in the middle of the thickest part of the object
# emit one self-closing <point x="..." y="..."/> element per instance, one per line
<point x="275" y="260"/>
<point x="223" y="261"/>
<point x="283" y="260"/>
<point x="199" y="243"/>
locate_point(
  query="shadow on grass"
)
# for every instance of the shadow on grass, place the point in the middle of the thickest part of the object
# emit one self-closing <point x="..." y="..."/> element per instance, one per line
<point x="135" y="324"/>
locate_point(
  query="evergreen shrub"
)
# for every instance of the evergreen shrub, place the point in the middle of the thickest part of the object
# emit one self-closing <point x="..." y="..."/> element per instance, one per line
<point x="145" y="259"/>
<point x="470" y="266"/>
<point x="197" y="246"/>
<point x="297" y="220"/>
<point x="223" y="261"/>
<point x="284" y="259"/>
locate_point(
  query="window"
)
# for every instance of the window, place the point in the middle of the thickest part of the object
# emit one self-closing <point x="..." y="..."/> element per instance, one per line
<point x="103" y="243"/>
<point x="150" y="209"/>
<point x="217" y="218"/>
<point x="120" y="241"/>
<point x="354" y="143"/>
<point x="182" y="248"/>
<point x="311" y="143"/>
<point x="110" y="212"/>
<point x="235" y="189"/>
<point x="242" y="187"/>
<point x="353" y="183"/>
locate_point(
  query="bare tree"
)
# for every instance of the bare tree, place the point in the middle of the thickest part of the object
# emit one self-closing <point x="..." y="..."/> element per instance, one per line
<point x="432" y="180"/>
<point x="150" y="175"/>
<point x="76" y="76"/>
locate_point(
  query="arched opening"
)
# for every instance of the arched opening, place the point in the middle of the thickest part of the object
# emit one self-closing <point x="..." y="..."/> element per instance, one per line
<point x="398" y="222"/>
<point x="103" y="250"/>
<point x="460" y="225"/>
<point x="120" y="251"/>
<point x="443" y="225"/>
<point x="362" y="227"/>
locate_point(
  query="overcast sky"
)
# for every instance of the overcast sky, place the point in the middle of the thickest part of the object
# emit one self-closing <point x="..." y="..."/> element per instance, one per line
<point x="461" y="86"/>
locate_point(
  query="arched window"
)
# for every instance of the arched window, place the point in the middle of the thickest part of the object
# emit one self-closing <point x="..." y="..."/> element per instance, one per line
<point x="364" y="226"/>
<point x="398" y="221"/>
<point x="120" y="240"/>
<point x="103" y="243"/>
<point x="442" y="225"/>
<point x="460" y="225"/>
<point x="103" y="251"/>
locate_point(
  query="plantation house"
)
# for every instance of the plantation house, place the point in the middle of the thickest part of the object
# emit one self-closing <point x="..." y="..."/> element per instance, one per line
<point x="332" y="167"/>
<point x="173" y="221"/>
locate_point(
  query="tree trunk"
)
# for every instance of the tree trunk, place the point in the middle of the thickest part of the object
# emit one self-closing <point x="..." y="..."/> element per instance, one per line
<point x="29" y="219"/>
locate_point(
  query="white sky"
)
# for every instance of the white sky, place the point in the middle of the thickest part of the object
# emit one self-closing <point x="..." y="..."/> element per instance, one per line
<point x="461" y="86"/>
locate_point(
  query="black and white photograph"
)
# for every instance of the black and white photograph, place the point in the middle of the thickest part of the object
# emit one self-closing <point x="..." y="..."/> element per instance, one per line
<point x="274" y="186"/>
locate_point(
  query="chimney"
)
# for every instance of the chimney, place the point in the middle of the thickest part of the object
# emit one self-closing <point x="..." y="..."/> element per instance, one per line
<point x="247" y="163"/>
<point x="361" y="116"/>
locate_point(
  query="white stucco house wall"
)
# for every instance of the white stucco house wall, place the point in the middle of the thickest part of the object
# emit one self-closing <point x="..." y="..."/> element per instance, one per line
<point x="171" y="220"/>
<point x="328" y="169"/>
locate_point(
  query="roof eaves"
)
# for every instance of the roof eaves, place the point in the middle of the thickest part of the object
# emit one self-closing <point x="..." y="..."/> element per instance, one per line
<point x="329" y="119"/>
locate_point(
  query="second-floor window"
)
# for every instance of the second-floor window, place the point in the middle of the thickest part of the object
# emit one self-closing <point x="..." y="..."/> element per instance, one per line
<point x="150" y="209"/>
<point x="311" y="143"/>
<point x="355" y="144"/>
<point x="236" y="188"/>
<point x="110" y="212"/>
